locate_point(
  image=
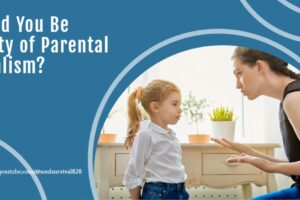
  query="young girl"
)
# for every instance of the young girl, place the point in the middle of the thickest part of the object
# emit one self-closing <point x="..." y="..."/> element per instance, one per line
<point x="258" y="73"/>
<point x="155" y="158"/>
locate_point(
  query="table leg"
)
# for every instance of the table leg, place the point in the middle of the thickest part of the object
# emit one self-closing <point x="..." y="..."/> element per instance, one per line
<point x="272" y="185"/>
<point x="247" y="190"/>
<point x="104" y="174"/>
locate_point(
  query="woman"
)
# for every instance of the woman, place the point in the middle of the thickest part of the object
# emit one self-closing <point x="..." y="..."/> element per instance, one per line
<point x="258" y="73"/>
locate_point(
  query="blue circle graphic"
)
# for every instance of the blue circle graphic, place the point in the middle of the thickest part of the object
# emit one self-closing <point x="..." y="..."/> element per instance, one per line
<point x="27" y="167"/>
<point x="270" y="26"/>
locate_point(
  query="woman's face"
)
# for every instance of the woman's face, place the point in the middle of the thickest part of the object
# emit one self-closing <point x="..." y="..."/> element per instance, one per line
<point x="247" y="79"/>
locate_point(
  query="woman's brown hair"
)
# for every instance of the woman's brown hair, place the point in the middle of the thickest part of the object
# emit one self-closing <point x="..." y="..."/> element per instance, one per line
<point x="250" y="56"/>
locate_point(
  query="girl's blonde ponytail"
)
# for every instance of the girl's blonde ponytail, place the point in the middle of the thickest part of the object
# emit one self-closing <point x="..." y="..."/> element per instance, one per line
<point x="134" y="117"/>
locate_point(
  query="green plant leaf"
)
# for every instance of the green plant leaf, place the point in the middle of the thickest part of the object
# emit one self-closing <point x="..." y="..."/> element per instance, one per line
<point x="194" y="109"/>
<point x="221" y="114"/>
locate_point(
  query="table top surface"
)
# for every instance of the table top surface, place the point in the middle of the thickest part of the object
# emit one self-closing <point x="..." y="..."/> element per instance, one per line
<point x="210" y="144"/>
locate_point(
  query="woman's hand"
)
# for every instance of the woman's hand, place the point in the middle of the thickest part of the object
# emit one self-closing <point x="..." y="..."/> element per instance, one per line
<point x="241" y="148"/>
<point x="260" y="163"/>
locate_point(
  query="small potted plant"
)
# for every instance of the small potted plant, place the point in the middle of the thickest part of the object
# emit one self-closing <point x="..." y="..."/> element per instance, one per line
<point x="107" y="137"/>
<point x="195" y="109"/>
<point x="223" y="124"/>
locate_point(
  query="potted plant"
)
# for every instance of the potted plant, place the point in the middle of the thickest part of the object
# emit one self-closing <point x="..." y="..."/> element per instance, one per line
<point x="107" y="137"/>
<point x="195" y="109"/>
<point x="223" y="125"/>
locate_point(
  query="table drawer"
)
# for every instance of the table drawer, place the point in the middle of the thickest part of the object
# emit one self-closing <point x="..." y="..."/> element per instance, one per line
<point x="215" y="164"/>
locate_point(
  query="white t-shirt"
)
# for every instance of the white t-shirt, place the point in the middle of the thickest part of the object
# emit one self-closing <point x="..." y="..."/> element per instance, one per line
<point x="155" y="157"/>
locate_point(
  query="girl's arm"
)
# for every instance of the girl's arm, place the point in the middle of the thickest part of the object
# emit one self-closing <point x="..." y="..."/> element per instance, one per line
<point x="134" y="173"/>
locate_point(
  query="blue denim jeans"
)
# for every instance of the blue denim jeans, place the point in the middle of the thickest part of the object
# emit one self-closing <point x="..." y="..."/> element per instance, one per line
<point x="160" y="190"/>
<point x="289" y="193"/>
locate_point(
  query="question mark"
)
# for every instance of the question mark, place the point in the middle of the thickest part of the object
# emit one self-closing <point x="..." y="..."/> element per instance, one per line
<point x="40" y="59"/>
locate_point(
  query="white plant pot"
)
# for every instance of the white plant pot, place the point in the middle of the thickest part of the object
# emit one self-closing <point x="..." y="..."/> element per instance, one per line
<point x="223" y="129"/>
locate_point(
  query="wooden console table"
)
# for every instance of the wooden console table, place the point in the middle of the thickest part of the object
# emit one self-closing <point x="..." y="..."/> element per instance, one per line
<point x="205" y="166"/>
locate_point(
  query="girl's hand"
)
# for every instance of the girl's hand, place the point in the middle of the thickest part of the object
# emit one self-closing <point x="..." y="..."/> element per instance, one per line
<point x="135" y="193"/>
<point x="260" y="163"/>
<point x="241" y="148"/>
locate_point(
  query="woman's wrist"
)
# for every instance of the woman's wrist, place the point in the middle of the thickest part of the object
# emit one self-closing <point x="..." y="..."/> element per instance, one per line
<point x="252" y="152"/>
<point x="274" y="168"/>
